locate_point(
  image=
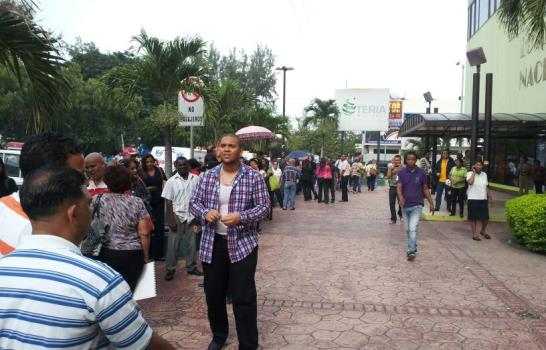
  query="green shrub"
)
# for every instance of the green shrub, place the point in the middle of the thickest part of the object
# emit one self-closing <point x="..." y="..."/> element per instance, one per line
<point x="526" y="217"/>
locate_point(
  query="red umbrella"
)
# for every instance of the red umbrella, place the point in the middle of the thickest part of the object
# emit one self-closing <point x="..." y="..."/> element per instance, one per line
<point x="129" y="150"/>
<point x="255" y="133"/>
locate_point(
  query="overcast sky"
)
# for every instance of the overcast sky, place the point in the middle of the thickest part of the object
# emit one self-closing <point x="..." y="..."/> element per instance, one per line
<point x="407" y="46"/>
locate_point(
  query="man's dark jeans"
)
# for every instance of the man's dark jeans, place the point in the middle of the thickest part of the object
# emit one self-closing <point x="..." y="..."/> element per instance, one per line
<point x="222" y="275"/>
<point x="344" y="188"/>
<point x="392" y="203"/>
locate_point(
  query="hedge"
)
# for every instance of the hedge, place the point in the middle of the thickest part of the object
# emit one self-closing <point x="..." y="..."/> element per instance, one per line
<point x="526" y="217"/>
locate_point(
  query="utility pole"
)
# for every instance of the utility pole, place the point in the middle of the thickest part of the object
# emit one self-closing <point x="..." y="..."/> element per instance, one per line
<point x="284" y="69"/>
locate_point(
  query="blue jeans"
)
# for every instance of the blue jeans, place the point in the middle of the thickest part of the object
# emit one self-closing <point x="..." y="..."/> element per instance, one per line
<point x="412" y="216"/>
<point x="440" y="187"/>
<point x="289" y="199"/>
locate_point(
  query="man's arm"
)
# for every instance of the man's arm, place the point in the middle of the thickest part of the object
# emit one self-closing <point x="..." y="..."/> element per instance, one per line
<point x="262" y="203"/>
<point x="428" y="196"/>
<point x="399" y="193"/>
<point x="170" y="216"/>
<point x="197" y="202"/>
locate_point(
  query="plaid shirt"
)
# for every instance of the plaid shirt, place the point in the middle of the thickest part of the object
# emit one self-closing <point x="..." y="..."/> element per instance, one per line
<point x="291" y="173"/>
<point x="249" y="198"/>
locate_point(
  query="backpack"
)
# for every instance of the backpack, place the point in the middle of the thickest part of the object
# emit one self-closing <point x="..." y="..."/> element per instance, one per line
<point x="96" y="236"/>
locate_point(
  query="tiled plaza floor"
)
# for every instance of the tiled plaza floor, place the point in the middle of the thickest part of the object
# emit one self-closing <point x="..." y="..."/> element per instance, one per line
<point x="336" y="277"/>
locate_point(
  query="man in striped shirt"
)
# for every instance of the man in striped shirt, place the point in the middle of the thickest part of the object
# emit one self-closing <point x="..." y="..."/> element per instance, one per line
<point x="53" y="297"/>
<point x="229" y="201"/>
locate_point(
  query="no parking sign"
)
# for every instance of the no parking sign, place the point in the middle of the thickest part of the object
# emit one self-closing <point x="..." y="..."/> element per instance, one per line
<point x="192" y="108"/>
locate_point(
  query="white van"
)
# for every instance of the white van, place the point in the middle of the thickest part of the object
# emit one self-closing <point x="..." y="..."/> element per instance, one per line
<point x="11" y="163"/>
<point x="159" y="153"/>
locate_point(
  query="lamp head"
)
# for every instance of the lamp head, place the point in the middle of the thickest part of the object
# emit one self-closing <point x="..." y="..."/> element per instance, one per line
<point x="476" y="56"/>
<point x="428" y="97"/>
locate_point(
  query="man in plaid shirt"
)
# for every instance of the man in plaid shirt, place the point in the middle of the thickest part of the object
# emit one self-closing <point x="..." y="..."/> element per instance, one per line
<point x="229" y="201"/>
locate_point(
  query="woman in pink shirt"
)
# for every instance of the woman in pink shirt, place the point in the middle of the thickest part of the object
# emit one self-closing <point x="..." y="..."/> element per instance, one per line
<point x="324" y="175"/>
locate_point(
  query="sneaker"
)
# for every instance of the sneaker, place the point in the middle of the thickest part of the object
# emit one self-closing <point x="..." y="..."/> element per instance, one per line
<point x="411" y="256"/>
<point x="393" y="222"/>
<point x="195" y="272"/>
<point x="169" y="275"/>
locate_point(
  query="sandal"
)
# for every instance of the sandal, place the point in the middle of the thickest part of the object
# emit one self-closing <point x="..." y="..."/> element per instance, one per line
<point x="485" y="235"/>
<point x="476" y="238"/>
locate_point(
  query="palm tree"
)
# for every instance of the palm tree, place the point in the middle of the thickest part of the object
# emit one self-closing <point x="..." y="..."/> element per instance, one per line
<point x="525" y="16"/>
<point x="27" y="49"/>
<point x="163" y="66"/>
<point x="323" y="115"/>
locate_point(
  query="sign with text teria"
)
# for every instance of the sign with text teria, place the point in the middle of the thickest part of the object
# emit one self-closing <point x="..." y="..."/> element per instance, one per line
<point x="363" y="109"/>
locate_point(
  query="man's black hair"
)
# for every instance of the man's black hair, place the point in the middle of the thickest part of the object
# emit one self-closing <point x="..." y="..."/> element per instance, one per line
<point x="47" y="149"/>
<point x="180" y="158"/>
<point x="48" y="189"/>
<point x="410" y="153"/>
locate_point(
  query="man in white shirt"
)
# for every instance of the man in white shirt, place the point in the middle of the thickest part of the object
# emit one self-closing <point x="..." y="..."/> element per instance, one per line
<point x="95" y="166"/>
<point x="178" y="192"/>
<point x="39" y="150"/>
<point x="479" y="197"/>
<point x="345" y="174"/>
<point x="52" y="296"/>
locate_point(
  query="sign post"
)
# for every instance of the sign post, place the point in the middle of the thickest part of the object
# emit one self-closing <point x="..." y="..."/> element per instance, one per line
<point x="192" y="108"/>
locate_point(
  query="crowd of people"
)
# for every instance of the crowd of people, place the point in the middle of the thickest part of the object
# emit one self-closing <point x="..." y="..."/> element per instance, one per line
<point x="82" y="230"/>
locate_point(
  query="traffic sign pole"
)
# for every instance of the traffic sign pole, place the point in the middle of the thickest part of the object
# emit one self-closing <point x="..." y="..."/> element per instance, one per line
<point x="191" y="142"/>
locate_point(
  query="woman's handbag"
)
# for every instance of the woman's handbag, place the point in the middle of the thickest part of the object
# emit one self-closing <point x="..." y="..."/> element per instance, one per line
<point x="92" y="243"/>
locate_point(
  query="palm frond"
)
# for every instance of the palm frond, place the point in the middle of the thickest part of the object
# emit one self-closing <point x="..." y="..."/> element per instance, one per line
<point x="25" y="48"/>
<point x="525" y="16"/>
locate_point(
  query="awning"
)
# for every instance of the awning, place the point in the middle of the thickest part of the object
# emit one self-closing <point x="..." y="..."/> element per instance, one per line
<point x="516" y="125"/>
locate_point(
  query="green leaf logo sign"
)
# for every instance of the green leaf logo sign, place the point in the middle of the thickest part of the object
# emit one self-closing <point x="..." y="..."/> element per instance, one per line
<point x="349" y="108"/>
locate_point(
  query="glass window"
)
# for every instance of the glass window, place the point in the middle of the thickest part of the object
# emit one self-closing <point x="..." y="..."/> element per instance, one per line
<point x="469" y="22"/>
<point x="483" y="12"/>
<point x="12" y="165"/>
<point x="474" y="17"/>
<point x="497" y="4"/>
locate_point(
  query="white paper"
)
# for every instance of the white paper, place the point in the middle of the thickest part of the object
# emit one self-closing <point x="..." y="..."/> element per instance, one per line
<point x="146" y="286"/>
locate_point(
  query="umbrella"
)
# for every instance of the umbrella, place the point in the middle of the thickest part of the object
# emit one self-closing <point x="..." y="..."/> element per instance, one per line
<point x="298" y="155"/>
<point x="129" y="150"/>
<point x="255" y="133"/>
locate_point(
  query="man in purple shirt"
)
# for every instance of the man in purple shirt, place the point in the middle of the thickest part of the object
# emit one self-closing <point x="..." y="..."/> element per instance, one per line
<point x="411" y="189"/>
<point x="229" y="201"/>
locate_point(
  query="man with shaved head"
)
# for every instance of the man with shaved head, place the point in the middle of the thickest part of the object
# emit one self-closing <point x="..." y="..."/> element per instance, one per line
<point x="94" y="165"/>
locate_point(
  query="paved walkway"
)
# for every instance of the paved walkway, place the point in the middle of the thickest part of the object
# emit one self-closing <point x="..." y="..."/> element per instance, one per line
<point x="336" y="277"/>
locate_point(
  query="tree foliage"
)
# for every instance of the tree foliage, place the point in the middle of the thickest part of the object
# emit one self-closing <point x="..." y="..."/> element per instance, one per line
<point x="525" y="16"/>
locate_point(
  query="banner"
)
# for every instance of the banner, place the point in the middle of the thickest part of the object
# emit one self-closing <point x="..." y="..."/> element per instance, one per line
<point x="395" y="114"/>
<point x="363" y="109"/>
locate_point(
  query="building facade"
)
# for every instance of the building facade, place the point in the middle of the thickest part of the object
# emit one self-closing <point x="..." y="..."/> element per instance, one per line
<point x="519" y="83"/>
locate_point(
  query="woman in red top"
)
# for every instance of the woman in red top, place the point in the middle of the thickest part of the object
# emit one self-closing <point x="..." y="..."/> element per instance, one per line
<point x="324" y="175"/>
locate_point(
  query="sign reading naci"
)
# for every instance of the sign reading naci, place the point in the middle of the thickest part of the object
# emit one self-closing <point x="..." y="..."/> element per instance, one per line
<point x="363" y="109"/>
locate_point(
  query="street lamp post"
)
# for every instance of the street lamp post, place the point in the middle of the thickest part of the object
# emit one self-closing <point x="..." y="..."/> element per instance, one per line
<point x="284" y="69"/>
<point x="476" y="57"/>
<point x="461" y="97"/>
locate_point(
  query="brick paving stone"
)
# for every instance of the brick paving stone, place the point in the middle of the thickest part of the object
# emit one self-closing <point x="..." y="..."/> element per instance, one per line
<point x="336" y="277"/>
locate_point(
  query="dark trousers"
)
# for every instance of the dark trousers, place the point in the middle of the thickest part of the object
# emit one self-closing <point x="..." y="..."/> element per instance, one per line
<point x="370" y="180"/>
<point x="157" y="249"/>
<point x="355" y="179"/>
<point x="333" y="190"/>
<point x="344" y="188"/>
<point x="457" y="196"/>
<point x="440" y="188"/>
<point x="128" y="263"/>
<point x="222" y="275"/>
<point x="272" y="195"/>
<point x="307" y="186"/>
<point x="325" y="186"/>
<point x="538" y="186"/>
<point x="392" y="203"/>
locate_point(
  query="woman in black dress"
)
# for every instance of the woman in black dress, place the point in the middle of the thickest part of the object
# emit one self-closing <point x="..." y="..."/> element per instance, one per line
<point x="154" y="179"/>
<point x="7" y="184"/>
